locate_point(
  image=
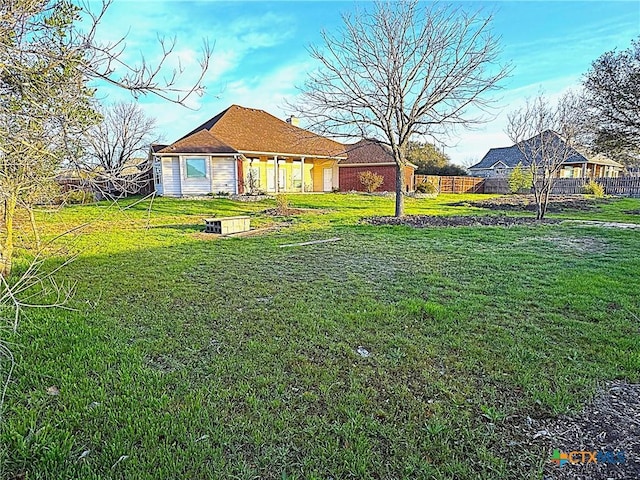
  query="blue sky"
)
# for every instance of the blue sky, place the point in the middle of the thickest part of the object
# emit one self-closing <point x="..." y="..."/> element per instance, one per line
<point x="260" y="52"/>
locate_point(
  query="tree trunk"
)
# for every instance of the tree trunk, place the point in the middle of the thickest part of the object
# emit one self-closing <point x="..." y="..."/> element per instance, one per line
<point x="6" y="249"/>
<point x="399" y="190"/>
<point x="543" y="202"/>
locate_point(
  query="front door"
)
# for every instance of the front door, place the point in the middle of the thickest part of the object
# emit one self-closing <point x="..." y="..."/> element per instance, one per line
<point x="327" y="179"/>
<point x="282" y="179"/>
<point x="271" y="181"/>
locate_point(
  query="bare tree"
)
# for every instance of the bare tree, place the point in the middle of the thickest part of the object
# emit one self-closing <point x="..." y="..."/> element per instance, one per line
<point x="402" y="70"/>
<point x="544" y="133"/>
<point x="48" y="55"/>
<point x="468" y="162"/>
<point x="117" y="148"/>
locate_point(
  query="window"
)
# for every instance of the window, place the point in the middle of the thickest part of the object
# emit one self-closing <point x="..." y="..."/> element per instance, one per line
<point x="196" y="167"/>
<point x="566" y="172"/>
<point x="296" y="176"/>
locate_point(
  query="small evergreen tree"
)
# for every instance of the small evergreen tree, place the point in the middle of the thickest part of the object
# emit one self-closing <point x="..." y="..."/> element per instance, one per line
<point x="520" y="179"/>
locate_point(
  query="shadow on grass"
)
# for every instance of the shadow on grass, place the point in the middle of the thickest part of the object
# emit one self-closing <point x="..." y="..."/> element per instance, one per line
<point x="241" y="358"/>
<point x="181" y="227"/>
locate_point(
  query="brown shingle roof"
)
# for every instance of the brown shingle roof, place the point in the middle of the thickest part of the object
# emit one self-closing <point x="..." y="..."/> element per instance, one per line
<point x="368" y="151"/>
<point x="156" y="147"/>
<point x="201" y="141"/>
<point x="254" y="130"/>
<point x="602" y="160"/>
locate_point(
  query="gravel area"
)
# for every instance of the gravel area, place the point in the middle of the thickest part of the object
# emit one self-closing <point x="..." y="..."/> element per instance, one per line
<point x="611" y="423"/>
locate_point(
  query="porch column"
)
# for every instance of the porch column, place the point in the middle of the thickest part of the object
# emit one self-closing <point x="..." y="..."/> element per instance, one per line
<point x="584" y="170"/>
<point x="235" y="172"/>
<point x="302" y="174"/>
<point x="275" y="173"/>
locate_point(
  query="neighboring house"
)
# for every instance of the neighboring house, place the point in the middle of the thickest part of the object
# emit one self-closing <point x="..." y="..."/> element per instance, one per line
<point x="499" y="162"/>
<point x="369" y="155"/>
<point x="246" y="150"/>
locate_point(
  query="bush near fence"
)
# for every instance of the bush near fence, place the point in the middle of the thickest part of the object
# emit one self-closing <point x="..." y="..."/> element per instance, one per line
<point x="624" y="186"/>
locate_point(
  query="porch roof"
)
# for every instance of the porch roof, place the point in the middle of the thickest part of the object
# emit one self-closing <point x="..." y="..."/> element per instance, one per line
<point x="201" y="141"/>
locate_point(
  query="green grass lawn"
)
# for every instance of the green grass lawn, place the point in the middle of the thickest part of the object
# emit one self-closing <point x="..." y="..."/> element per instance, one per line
<point x="192" y="357"/>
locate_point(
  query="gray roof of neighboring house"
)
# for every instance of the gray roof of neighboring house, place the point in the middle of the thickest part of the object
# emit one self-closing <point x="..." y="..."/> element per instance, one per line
<point x="512" y="155"/>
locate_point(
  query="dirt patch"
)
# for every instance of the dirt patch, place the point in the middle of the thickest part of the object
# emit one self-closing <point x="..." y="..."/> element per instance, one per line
<point x="595" y="223"/>
<point x="610" y="425"/>
<point x="576" y="244"/>
<point x="557" y="203"/>
<point x="423" y="221"/>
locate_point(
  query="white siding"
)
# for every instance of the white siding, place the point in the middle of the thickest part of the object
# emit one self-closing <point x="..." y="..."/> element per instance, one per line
<point x="171" y="177"/>
<point x="499" y="172"/>
<point x="195" y="186"/>
<point x="224" y="176"/>
<point x="221" y="177"/>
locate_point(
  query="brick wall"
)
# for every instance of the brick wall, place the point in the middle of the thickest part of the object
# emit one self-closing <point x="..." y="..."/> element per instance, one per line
<point x="350" y="177"/>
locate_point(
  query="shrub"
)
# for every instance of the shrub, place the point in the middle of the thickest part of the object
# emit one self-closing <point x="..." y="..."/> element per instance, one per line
<point x="253" y="182"/>
<point x="519" y="179"/>
<point x="426" y="187"/>
<point x="282" y="204"/>
<point x="79" y="197"/>
<point x="594" y="188"/>
<point x="371" y="181"/>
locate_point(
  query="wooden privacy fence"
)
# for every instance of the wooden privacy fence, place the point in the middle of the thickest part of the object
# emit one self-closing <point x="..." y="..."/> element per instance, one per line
<point x="561" y="186"/>
<point x="496" y="185"/>
<point x="625" y="186"/>
<point x="452" y="184"/>
<point x="568" y="186"/>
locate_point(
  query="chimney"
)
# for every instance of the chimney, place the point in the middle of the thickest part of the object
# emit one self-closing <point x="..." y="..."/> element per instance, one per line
<point x="295" y="121"/>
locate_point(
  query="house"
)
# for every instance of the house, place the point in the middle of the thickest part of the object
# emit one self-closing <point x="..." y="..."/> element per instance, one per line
<point x="369" y="155"/>
<point x="246" y="150"/>
<point x="499" y="162"/>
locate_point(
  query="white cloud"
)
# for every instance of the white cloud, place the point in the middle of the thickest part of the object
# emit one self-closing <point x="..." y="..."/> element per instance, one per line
<point x="267" y="92"/>
<point x="234" y="43"/>
<point x="250" y="67"/>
